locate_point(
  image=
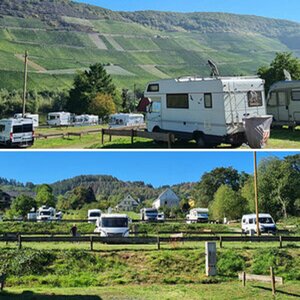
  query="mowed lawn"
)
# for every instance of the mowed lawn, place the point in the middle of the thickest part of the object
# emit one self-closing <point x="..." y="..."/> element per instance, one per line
<point x="280" y="139"/>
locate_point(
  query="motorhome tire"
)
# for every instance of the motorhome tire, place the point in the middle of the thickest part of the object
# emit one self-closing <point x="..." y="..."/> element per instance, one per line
<point x="200" y="141"/>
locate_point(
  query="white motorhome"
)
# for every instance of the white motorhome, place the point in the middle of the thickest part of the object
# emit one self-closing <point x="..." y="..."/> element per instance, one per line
<point x="149" y="214"/>
<point x="266" y="223"/>
<point x="210" y="111"/>
<point x="283" y="102"/>
<point x="113" y="225"/>
<point x="59" y="119"/>
<point x="16" y="132"/>
<point x="86" y="120"/>
<point x="93" y="215"/>
<point x="45" y="214"/>
<point x="34" y="117"/>
<point x="124" y="120"/>
<point x="197" y="215"/>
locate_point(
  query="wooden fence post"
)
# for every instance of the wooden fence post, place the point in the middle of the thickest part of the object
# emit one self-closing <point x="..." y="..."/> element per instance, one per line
<point x="221" y="242"/>
<point x="92" y="243"/>
<point x="273" y="281"/>
<point x="280" y="241"/>
<point x="102" y="136"/>
<point x="131" y="135"/>
<point x="244" y="278"/>
<point x="158" y="243"/>
<point x="20" y="241"/>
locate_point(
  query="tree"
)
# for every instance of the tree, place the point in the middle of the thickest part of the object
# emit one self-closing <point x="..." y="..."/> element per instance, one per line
<point x="45" y="196"/>
<point x="203" y="192"/>
<point x="102" y="105"/>
<point x="278" y="182"/>
<point x="125" y="100"/>
<point x="274" y="72"/>
<point x="80" y="196"/>
<point x="228" y="203"/>
<point x="247" y="192"/>
<point x="22" y="205"/>
<point x="86" y="87"/>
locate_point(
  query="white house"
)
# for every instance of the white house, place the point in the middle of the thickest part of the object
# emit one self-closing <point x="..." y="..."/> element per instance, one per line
<point x="127" y="204"/>
<point x="166" y="198"/>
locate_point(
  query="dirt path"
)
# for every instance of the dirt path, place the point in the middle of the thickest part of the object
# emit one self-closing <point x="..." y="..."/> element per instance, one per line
<point x="115" y="44"/>
<point x="95" y="38"/>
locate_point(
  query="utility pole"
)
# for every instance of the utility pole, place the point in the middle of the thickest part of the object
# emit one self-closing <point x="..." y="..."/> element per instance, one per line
<point x="256" y="194"/>
<point x="25" y="83"/>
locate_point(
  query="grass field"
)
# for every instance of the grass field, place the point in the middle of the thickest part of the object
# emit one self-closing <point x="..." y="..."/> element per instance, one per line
<point x="280" y="139"/>
<point x="229" y="290"/>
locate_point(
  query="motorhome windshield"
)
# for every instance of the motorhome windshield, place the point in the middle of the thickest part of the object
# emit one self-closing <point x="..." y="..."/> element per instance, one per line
<point x="52" y="117"/>
<point x="95" y="214"/>
<point x="265" y="220"/>
<point x="115" y="222"/>
<point x="203" y="215"/>
<point x="151" y="212"/>
<point x="45" y="213"/>
<point x="22" y="128"/>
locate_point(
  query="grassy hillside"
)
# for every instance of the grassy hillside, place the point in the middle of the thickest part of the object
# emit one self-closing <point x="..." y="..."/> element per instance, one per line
<point x="63" y="36"/>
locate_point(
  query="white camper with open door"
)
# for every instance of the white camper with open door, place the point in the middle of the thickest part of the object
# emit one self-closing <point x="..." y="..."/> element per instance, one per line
<point x="284" y="103"/>
<point x="209" y="110"/>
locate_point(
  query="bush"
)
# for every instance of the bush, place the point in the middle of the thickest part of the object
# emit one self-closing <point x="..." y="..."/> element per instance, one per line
<point x="230" y="263"/>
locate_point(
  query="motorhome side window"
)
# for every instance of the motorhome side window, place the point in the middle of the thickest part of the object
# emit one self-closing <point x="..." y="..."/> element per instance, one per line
<point x="208" y="100"/>
<point x="296" y="95"/>
<point x="153" y="88"/>
<point x="254" y="98"/>
<point x="2" y="128"/>
<point x="177" y="101"/>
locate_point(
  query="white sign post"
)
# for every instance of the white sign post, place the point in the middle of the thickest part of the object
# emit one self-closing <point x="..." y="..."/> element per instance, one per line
<point x="211" y="258"/>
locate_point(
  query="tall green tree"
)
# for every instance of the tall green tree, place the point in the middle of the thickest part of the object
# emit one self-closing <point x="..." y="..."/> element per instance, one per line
<point x="86" y="87"/>
<point x="22" y="205"/>
<point x="80" y="196"/>
<point x="274" y="72"/>
<point x="45" y="196"/>
<point x="203" y="192"/>
<point x="228" y="203"/>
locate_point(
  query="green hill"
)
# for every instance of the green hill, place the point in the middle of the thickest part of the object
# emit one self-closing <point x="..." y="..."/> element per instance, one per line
<point x="63" y="36"/>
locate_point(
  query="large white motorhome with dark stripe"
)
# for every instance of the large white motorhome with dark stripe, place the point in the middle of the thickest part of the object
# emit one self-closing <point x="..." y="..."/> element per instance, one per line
<point x="211" y="110"/>
<point x="16" y="132"/>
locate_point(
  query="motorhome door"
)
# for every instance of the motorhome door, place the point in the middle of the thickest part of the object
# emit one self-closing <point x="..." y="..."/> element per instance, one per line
<point x="154" y="112"/>
<point x="278" y="105"/>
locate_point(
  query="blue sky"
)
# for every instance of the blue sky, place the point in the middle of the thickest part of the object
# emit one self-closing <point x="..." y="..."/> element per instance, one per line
<point x="157" y="168"/>
<point x="269" y="8"/>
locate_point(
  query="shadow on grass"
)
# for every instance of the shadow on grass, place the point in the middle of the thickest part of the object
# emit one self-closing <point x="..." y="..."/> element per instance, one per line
<point x="277" y="291"/>
<point x="28" y="295"/>
<point x="285" y="134"/>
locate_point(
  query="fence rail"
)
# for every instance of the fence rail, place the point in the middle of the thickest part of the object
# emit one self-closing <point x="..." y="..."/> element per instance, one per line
<point x="146" y="240"/>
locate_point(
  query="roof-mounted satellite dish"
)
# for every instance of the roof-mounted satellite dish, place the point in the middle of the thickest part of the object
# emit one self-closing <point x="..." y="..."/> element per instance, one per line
<point x="287" y="75"/>
<point x="214" y="69"/>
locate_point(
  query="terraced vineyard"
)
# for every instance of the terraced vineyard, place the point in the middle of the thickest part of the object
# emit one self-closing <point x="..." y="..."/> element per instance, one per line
<point x="134" y="47"/>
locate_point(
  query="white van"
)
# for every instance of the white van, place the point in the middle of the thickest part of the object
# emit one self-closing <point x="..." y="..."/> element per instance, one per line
<point x="34" y="117"/>
<point x="123" y="120"/>
<point x="93" y="215"/>
<point x="284" y="103"/>
<point x="210" y="110"/>
<point x="149" y="214"/>
<point x="59" y="119"/>
<point x="16" y="132"/>
<point x="113" y="225"/>
<point x="197" y="215"/>
<point x="266" y="223"/>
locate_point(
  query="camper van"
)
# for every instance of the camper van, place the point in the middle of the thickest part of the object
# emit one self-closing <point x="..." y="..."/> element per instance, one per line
<point x="266" y="223"/>
<point x="123" y="120"/>
<point x="34" y="117"/>
<point x="112" y="225"/>
<point x="86" y="120"/>
<point x="59" y="119"/>
<point x="210" y="110"/>
<point x="284" y="103"/>
<point x="197" y="215"/>
<point x="16" y="132"/>
<point x="46" y="214"/>
<point x="93" y="215"/>
<point x="149" y="214"/>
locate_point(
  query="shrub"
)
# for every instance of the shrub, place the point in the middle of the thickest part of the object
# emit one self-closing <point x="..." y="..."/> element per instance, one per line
<point x="230" y="263"/>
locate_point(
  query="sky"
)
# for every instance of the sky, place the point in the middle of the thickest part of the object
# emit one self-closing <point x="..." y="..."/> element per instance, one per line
<point x="156" y="168"/>
<point x="269" y="8"/>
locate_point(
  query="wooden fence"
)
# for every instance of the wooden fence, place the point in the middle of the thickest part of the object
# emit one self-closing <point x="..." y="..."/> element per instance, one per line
<point x="146" y="240"/>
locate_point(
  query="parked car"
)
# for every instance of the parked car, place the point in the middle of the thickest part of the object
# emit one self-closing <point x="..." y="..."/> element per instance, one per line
<point x="266" y="223"/>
